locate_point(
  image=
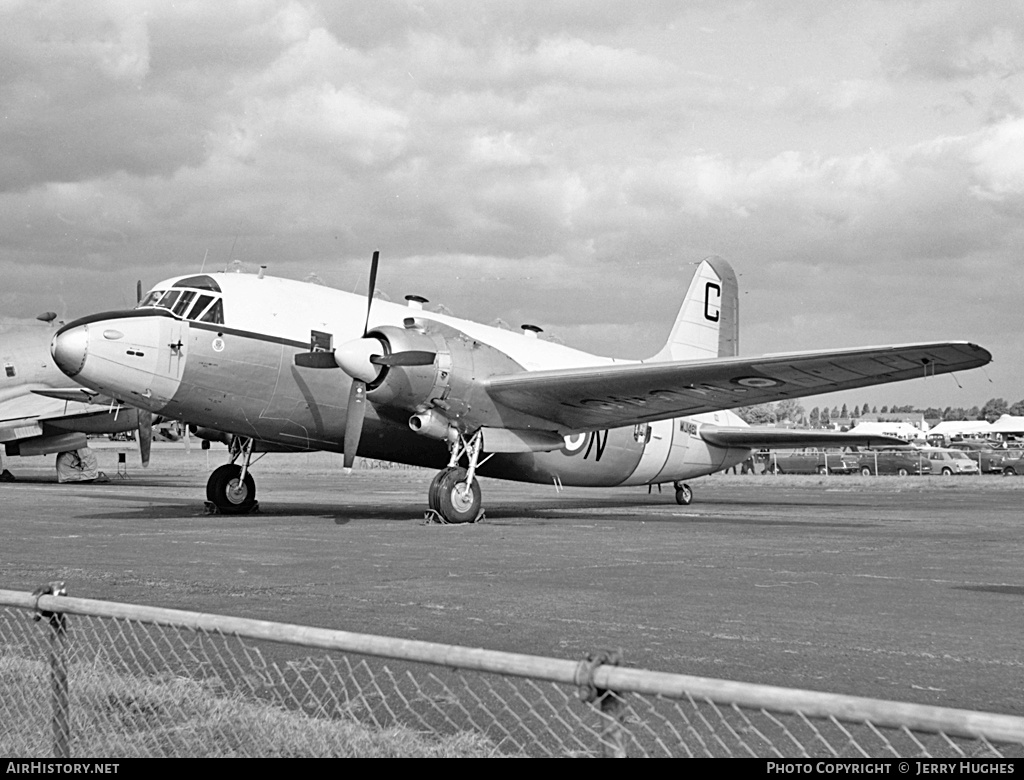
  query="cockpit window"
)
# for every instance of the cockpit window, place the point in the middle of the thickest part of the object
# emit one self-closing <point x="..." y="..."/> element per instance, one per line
<point x="215" y="313"/>
<point x="189" y="304"/>
<point x="168" y="300"/>
<point x="199" y="283"/>
<point x="183" y="302"/>
<point x="200" y="306"/>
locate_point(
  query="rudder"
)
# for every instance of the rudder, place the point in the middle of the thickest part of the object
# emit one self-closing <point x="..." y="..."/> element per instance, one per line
<point x="708" y="323"/>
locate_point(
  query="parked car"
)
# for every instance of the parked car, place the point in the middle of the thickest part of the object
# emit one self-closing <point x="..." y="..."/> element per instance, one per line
<point x="900" y="462"/>
<point x="1013" y="462"/>
<point x="811" y="461"/>
<point x="947" y="462"/>
<point x="989" y="459"/>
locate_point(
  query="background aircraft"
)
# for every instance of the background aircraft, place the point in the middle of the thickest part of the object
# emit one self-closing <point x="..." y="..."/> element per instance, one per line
<point x="40" y="414"/>
<point x="256" y="356"/>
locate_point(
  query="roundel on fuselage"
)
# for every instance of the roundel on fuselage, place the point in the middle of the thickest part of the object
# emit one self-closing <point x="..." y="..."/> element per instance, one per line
<point x="574" y="443"/>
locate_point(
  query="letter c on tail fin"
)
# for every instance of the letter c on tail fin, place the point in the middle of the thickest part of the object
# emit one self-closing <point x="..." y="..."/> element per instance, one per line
<point x="708" y="323"/>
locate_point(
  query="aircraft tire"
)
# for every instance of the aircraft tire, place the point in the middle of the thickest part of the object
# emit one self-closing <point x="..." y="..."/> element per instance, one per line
<point x="225" y="492"/>
<point x="432" y="490"/>
<point x="684" y="495"/>
<point x="452" y="505"/>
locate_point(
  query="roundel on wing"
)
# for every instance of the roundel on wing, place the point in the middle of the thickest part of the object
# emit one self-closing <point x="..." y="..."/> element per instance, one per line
<point x="756" y="381"/>
<point x="574" y="443"/>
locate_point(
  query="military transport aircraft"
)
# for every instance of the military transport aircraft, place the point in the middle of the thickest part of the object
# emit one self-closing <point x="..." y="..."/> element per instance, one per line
<point x="287" y="365"/>
<point x="40" y="414"/>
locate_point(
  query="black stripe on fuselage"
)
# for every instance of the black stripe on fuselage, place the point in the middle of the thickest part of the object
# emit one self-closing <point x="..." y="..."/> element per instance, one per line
<point x="213" y="327"/>
<point x="222" y="330"/>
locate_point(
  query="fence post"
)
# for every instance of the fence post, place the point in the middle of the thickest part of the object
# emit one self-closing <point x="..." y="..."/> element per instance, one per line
<point x="58" y="670"/>
<point x="610" y="704"/>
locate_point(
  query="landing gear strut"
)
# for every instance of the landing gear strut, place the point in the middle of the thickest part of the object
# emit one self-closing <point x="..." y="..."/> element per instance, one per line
<point x="231" y="490"/>
<point x="454" y="494"/>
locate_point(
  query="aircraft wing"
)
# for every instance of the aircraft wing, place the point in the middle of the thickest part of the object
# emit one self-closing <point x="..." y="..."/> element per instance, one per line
<point x="611" y="396"/>
<point x="78" y="394"/>
<point x="33" y="414"/>
<point x="757" y="436"/>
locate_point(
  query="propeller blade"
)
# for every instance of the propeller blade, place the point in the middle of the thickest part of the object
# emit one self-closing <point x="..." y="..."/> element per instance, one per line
<point x="316" y="360"/>
<point x="411" y="357"/>
<point x="138" y="291"/>
<point x="371" y="290"/>
<point x="145" y="436"/>
<point x="354" y="421"/>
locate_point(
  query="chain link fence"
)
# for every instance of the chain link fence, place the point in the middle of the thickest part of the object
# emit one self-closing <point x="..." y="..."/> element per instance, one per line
<point x="84" y="678"/>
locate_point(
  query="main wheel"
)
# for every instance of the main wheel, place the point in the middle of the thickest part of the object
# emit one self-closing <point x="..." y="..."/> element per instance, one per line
<point x="456" y="501"/>
<point x="432" y="490"/>
<point x="684" y="495"/>
<point x="865" y="471"/>
<point x="228" y="492"/>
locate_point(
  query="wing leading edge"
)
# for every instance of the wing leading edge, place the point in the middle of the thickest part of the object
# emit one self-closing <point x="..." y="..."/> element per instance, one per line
<point x="614" y="395"/>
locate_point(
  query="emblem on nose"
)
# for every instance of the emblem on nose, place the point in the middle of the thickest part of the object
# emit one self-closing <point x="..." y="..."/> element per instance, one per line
<point x="70" y="348"/>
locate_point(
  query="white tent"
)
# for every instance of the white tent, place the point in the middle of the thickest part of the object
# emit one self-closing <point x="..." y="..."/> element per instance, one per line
<point x="901" y="430"/>
<point x="1007" y="424"/>
<point x="961" y="427"/>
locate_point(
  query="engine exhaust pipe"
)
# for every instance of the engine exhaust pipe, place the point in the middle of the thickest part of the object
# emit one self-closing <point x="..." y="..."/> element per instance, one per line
<point x="432" y="425"/>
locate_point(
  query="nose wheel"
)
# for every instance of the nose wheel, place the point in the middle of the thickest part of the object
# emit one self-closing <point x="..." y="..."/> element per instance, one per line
<point x="231" y="490"/>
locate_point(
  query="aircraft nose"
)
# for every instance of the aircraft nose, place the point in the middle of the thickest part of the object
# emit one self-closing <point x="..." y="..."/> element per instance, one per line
<point x="70" y="348"/>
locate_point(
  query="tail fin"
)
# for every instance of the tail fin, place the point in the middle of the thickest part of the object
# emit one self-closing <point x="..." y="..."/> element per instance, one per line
<point x="708" y="323"/>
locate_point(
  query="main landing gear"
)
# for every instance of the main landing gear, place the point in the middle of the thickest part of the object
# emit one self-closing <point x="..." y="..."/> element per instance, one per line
<point x="684" y="494"/>
<point x="454" y="494"/>
<point x="231" y="490"/>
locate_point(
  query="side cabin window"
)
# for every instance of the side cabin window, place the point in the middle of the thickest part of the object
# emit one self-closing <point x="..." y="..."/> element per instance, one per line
<point x="9" y="370"/>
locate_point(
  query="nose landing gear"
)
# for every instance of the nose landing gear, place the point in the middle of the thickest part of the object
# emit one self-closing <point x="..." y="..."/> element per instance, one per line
<point x="231" y="490"/>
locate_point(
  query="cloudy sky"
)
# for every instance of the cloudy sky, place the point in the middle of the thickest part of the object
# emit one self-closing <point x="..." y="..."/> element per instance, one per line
<point x="564" y="163"/>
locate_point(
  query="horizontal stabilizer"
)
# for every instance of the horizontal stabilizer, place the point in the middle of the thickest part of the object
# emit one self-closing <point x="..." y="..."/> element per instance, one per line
<point x="762" y="436"/>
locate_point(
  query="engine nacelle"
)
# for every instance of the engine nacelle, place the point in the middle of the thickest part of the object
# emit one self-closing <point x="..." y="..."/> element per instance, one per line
<point x="209" y="434"/>
<point x="448" y="391"/>
<point x="45" y="445"/>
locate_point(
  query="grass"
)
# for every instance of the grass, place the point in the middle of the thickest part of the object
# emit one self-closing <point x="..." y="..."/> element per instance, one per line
<point x="117" y="715"/>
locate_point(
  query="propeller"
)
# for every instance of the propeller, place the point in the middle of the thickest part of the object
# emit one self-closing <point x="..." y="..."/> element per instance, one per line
<point x="411" y="357"/>
<point x="356" y="410"/>
<point x="145" y="436"/>
<point x="359" y="358"/>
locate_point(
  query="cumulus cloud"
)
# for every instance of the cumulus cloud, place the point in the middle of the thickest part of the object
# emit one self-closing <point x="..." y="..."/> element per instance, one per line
<point x="562" y="163"/>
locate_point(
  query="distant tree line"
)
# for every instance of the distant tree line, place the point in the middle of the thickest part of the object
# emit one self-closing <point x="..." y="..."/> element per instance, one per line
<point x="791" y="410"/>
